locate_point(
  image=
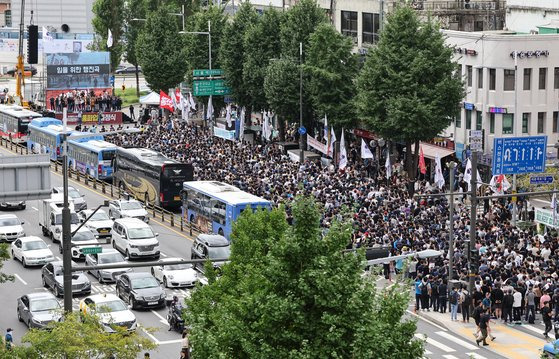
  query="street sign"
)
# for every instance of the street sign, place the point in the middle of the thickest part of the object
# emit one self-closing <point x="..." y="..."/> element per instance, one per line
<point x="541" y="180"/>
<point x="92" y="250"/>
<point x="112" y="80"/>
<point x="211" y="88"/>
<point x="302" y="130"/>
<point x="514" y="155"/>
<point x="207" y="73"/>
<point x="476" y="140"/>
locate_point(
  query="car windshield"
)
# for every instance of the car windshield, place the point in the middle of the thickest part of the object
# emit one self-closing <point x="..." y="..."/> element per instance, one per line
<point x="131" y="205"/>
<point x="99" y="216"/>
<point x="111" y="258"/>
<point x="178" y="266"/>
<point x="83" y="236"/>
<point x="140" y="233"/>
<point x="73" y="193"/>
<point x="219" y="252"/>
<point x="112" y="306"/>
<point x="73" y="218"/>
<point x="146" y="282"/>
<point x="44" y="305"/>
<point x="9" y="222"/>
<point x="31" y="246"/>
<point x="58" y="271"/>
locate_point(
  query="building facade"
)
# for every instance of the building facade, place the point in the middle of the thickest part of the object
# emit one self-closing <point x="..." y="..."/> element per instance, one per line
<point x="527" y="15"/>
<point x="506" y="97"/>
<point x="5" y="13"/>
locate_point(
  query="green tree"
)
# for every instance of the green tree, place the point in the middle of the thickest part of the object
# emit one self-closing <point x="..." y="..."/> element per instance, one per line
<point x="80" y="337"/>
<point x="409" y="88"/>
<point x="134" y="9"/>
<point x="332" y="66"/>
<point x="290" y="292"/>
<point x="5" y="255"/>
<point x="301" y="21"/>
<point x="109" y="14"/>
<point x="262" y="44"/>
<point x="233" y="49"/>
<point x="159" y="50"/>
<point x="281" y="85"/>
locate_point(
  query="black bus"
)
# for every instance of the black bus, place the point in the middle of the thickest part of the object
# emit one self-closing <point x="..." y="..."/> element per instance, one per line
<point x="150" y="175"/>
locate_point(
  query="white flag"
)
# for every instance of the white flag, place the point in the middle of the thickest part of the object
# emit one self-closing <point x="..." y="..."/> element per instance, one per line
<point x="343" y="154"/>
<point x="242" y="125"/>
<point x="110" y="39"/>
<point x="184" y="107"/>
<point x="228" y="116"/>
<point x="326" y="128"/>
<point x="191" y="102"/>
<point x="388" y="166"/>
<point x="499" y="184"/>
<point x="46" y="35"/>
<point x="468" y="175"/>
<point x="330" y="148"/>
<point x="365" y="151"/>
<point x="554" y="207"/>
<point x="439" y="178"/>
<point x="210" y="111"/>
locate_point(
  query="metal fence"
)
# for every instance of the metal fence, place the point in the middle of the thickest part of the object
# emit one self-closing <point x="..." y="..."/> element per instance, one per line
<point x="458" y="5"/>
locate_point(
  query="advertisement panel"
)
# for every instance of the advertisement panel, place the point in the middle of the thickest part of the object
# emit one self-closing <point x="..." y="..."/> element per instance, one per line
<point x="79" y="70"/>
<point x="92" y="118"/>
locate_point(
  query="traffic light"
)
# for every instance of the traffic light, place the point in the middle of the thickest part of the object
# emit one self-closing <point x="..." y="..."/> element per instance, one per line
<point x="32" y="44"/>
<point x="474" y="261"/>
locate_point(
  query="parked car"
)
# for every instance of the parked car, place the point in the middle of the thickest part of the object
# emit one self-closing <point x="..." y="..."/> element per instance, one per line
<point x="108" y="256"/>
<point x="31" y="251"/>
<point x="175" y="275"/>
<point x="13" y="70"/>
<point x="75" y="195"/>
<point x="111" y="311"/>
<point x="134" y="238"/>
<point x="10" y="228"/>
<point x="13" y="205"/>
<point x="37" y="310"/>
<point x="129" y="208"/>
<point x="140" y="290"/>
<point x="128" y="70"/>
<point x="100" y="223"/>
<point x="210" y="246"/>
<point x="83" y="238"/>
<point x="52" y="277"/>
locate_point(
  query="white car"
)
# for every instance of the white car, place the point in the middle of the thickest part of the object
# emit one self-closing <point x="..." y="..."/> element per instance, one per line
<point x="111" y="311"/>
<point x="134" y="238"/>
<point x="10" y="228"/>
<point x="123" y="208"/>
<point x="83" y="238"/>
<point x="100" y="223"/>
<point x="175" y="275"/>
<point x="31" y="251"/>
<point x="75" y="195"/>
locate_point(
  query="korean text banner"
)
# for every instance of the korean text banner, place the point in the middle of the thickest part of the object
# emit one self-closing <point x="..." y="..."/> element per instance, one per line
<point x="81" y="70"/>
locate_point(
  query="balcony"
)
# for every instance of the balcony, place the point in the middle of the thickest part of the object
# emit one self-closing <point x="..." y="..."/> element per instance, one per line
<point x="460" y="6"/>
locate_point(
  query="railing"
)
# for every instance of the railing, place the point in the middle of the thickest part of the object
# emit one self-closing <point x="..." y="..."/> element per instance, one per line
<point x="458" y="5"/>
<point x="107" y="189"/>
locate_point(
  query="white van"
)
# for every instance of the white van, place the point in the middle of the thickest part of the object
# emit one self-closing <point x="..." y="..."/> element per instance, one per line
<point x="134" y="238"/>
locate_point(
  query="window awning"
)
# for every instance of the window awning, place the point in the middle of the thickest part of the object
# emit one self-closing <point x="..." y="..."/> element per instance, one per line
<point x="430" y="151"/>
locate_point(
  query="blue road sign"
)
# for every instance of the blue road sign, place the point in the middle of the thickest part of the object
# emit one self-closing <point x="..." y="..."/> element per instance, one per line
<point x="541" y="179"/>
<point x="112" y="80"/>
<point x="514" y="155"/>
<point x="302" y="130"/>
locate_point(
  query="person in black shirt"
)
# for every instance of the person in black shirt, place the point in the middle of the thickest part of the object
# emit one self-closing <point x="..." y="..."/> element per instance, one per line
<point x="483" y="326"/>
<point x="497" y="297"/>
<point x="443" y="289"/>
<point x="508" y="302"/>
<point x="546" y="316"/>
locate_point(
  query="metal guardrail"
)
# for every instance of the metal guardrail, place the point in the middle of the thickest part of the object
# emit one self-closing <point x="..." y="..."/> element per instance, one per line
<point x="458" y="5"/>
<point x="106" y="188"/>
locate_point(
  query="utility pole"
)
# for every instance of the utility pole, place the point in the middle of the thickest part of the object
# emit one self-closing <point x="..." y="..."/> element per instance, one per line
<point x="301" y="143"/>
<point x="473" y="219"/>
<point x="451" y="166"/>
<point x="66" y="231"/>
<point x="519" y="117"/>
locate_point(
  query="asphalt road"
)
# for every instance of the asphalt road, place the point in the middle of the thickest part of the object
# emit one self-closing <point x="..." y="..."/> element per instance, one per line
<point x="173" y="244"/>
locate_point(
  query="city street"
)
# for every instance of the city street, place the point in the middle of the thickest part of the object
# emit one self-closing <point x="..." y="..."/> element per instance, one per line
<point x="173" y="244"/>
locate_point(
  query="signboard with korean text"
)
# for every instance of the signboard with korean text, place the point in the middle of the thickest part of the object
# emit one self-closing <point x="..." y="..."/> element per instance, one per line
<point x="515" y="155"/>
<point x="80" y="70"/>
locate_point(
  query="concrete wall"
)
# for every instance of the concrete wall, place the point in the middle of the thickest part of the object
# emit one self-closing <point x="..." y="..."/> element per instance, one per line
<point x="526" y="15"/>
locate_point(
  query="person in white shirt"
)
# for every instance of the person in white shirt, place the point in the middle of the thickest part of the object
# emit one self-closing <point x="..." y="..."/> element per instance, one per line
<point x="517" y="305"/>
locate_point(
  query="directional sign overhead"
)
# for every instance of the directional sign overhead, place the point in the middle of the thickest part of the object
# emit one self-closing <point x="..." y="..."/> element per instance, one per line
<point x="541" y="180"/>
<point x="514" y="155"/>
<point x="207" y="72"/>
<point x="211" y="87"/>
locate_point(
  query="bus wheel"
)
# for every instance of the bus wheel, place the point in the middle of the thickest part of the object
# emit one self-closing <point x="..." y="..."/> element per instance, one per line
<point x="220" y="231"/>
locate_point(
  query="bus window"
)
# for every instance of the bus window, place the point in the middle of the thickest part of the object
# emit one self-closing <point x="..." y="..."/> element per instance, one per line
<point x="108" y="155"/>
<point x="218" y="211"/>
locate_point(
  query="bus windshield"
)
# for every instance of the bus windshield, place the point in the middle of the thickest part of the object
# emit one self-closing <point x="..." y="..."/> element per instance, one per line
<point x="108" y="155"/>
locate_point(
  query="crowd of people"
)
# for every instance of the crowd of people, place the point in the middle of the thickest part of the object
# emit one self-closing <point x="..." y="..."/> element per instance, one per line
<point x="85" y="101"/>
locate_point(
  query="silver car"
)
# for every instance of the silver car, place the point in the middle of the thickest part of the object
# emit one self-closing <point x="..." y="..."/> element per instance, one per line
<point x="37" y="310"/>
<point x="75" y="196"/>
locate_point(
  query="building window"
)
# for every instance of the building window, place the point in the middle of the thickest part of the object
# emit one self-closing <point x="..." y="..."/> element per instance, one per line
<point x="555" y="122"/>
<point x="525" y="122"/>
<point x="469" y="75"/>
<point x="468" y="119"/>
<point x="479" y="121"/>
<point x="492" y="79"/>
<point x="556" y="78"/>
<point x="542" y="79"/>
<point x="508" y="84"/>
<point x="349" y="23"/>
<point x="491" y="123"/>
<point x="370" y="28"/>
<point x="541" y="122"/>
<point x="8" y="18"/>
<point x="458" y="120"/>
<point x="480" y="78"/>
<point x="508" y="123"/>
<point x="527" y="79"/>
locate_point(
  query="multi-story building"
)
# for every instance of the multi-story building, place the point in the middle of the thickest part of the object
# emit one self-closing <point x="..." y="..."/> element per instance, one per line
<point x="5" y="13"/>
<point x="527" y="15"/>
<point x="506" y="96"/>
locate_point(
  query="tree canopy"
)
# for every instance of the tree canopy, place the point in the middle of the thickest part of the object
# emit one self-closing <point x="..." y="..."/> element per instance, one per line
<point x="300" y="22"/>
<point x="281" y="85"/>
<point x="5" y="255"/>
<point x="290" y="292"/>
<point x="109" y="14"/>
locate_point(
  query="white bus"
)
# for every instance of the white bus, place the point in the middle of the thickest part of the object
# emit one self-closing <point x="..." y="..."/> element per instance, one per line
<point x="14" y="121"/>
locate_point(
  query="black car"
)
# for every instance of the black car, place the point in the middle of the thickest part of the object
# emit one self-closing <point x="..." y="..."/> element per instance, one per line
<point x="53" y="278"/>
<point x="210" y="246"/>
<point x="12" y="71"/>
<point x="140" y="290"/>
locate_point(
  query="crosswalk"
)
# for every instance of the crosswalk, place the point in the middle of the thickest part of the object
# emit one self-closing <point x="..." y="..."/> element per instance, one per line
<point x="443" y="344"/>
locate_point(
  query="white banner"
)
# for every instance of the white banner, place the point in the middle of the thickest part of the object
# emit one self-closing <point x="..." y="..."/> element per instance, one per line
<point x="314" y="143"/>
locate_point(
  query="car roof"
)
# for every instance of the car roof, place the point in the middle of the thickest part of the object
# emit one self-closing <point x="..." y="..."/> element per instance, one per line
<point x="40" y="295"/>
<point x="105" y="297"/>
<point x="132" y="222"/>
<point x="31" y="239"/>
<point x="108" y="251"/>
<point x="122" y="200"/>
<point x="133" y="275"/>
<point x="169" y="259"/>
<point x="87" y="212"/>
<point x="213" y="240"/>
<point x="7" y="216"/>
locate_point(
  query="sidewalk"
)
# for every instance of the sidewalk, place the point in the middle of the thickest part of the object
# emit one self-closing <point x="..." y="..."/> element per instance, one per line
<point x="509" y="342"/>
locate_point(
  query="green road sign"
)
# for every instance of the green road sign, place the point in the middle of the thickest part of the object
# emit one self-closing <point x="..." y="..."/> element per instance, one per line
<point x="92" y="250"/>
<point x="206" y="72"/>
<point x="211" y="87"/>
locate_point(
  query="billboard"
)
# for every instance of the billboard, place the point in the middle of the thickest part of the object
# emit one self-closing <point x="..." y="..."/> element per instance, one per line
<point x="92" y="118"/>
<point x="79" y="70"/>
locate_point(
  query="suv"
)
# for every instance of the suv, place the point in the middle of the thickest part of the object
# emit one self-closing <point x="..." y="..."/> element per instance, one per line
<point x="134" y="238"/>
<point x="10" y="228"/>
<point x="83" y="238"/>
<point x="210" y="246"/>
<point x="122" y="208"/>
<point x="100" y="223"/>
<point x="76" y="197"/>
<point x="140" y="290"/>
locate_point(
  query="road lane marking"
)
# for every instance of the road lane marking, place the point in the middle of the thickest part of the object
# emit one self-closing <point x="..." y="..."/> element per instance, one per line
<point x="449" y="356"/>
<point x="475" y="356"/>
<point x="174" y="341"/>
<point x="434" y="343"/>
<point x="164" y="255"/>
<point x="461" y="342"/>
<point x="151" y="336"/>
<point x="57" y="258"/>
<point x="427" y="352"/>
<point x="35" y="208"/>
<point x="426" y="320"/>
<point x="161" y="319"/>
<point x="532" y="328"/>
<point x="20" y="279"/>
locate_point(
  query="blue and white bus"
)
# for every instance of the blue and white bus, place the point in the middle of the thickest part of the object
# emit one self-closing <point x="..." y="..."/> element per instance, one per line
<point x="93" y="156"/>
<point x="14" y="122"/>
<point x="214" y="206"/>
<point x="45" y="135"/>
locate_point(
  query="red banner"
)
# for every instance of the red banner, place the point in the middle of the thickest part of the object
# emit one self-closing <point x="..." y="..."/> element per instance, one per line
<point x="91" y="118"/>
<point x="165" y="101"/>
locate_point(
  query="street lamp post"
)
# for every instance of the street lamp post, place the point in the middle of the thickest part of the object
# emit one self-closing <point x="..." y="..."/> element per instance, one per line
<point x="301" y="143"/>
